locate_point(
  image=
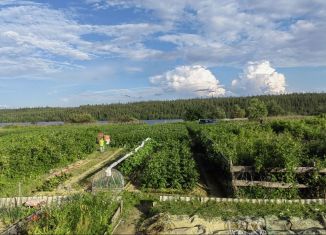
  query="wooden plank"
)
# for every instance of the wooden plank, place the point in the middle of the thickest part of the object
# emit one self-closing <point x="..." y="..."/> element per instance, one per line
<point x="242" y="169"/>
<point x="267" y="184"/>
<point x="298" y="170"/>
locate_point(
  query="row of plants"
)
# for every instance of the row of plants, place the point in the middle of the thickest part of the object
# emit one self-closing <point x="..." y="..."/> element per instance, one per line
<point x="130" y="135"/>
<point x="29" y="152"/>
<point x="275" y="144"/>
<point x="35" y="151"/>
<point x="162" y="165"/>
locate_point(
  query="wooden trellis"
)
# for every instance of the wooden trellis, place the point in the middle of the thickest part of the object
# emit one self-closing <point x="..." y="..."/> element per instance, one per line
<point x="237" y="170"/>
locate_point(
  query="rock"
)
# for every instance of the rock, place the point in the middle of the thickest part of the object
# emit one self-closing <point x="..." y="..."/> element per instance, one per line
<point x="34" y="203"/>
<point x="241" y="232"/>
<point x="299" y="224"/>
<point x="248" y="224"/>
<point x="223" y="232"/>
<point x="313" y="231"/>
<point x="189" y="230"/>
<point x="274" y="224"/>
<point x="255" y="224"/>
<point x="156" y="224"/>
<point x="286" y="232"/>
<point x="322" y="231"/>
<point x="323" y="219"/>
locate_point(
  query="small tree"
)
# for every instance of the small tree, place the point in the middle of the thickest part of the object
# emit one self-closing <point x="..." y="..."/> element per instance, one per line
<point x="237" y="112"/>
<point x="256" y="109"/>
<point x="218" y="113"/>
<point x="274" y="109"/>
<point x="194" y="113"/>
<point x="81" y="118"/>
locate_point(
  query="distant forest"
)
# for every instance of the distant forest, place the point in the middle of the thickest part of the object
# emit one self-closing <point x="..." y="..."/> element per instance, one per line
<point x="228" y="107"/>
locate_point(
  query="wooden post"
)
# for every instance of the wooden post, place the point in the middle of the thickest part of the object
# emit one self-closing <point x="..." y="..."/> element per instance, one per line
<point x="232" y="177"/>
<point x="19" y="193"/>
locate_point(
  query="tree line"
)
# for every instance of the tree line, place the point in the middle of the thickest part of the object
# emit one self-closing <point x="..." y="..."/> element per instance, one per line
<point x="226" y="107"/>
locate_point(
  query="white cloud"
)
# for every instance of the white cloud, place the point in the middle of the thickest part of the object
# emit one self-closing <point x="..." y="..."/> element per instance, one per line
<point x="231" y="32"/>
<point x="112" y="96"/>
<point x="189" y="81"/>
<point x="3" y="106"/>
<point x="259" y="78"/>
<point x="52" y="46"/>
<point x="39" y="40"/>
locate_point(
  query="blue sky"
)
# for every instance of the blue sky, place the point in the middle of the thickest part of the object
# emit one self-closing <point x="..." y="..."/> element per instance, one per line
<point x="68" y="53"/>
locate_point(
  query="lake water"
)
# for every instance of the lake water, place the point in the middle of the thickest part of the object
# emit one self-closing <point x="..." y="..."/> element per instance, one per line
<point x="2" y="124"/>
<point x="161" y="121"/>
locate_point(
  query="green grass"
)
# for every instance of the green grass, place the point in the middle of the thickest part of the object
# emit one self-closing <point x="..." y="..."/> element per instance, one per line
<point x="84" y="214"/>
<point x="9" y="216"/>
<point x="228" y="210"/>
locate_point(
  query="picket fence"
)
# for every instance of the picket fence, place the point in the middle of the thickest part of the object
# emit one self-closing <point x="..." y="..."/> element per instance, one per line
<point x="19" y="201"/>
<point x="164" y="198"/>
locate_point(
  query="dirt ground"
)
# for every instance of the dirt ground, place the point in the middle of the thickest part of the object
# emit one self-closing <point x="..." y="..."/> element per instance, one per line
<point x="81" y="169"/>
<point x="129" y="224"/>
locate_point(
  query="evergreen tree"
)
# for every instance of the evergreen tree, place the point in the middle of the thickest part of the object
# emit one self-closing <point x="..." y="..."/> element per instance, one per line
<point x="237" y="112"/>
<point x="274" y="109"/>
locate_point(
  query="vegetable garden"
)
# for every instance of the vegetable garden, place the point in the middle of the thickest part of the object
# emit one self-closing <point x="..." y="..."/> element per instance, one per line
<point x="163" y="165"/>
<point x="32" y="152"/>
<point x="280" y="159"/>
<point x="275" y="159"/>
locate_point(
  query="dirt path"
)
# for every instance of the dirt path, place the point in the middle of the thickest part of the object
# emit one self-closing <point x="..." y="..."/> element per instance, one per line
<point x="88" y="169"/>
<point x="81" y="169"/>
<point x="129" y="224"/>
<point x="208" y="177"/>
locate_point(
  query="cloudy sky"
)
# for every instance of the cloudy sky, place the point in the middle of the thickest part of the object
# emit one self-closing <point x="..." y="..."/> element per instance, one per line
<point x="72" y="52"/>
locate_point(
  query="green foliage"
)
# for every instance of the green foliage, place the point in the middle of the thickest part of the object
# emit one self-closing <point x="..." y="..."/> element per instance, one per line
<point x="217" y="113"/>
<point x="167" y="164"/>
<point x="256" y="109"/>
<point x="81" y="118"/>
<point x="299" y="104"/>
<point x="267" y="193"/>
<point x="274" y="109"/>
<point x="282" y="151"/>
<point x="28" y="152"/>
<point x="11" y="215"/>
<point x="53" y="182"/>
<point x="170" y="166"/>
<point x="227" y="210"/>
<point x="193" y="114"/>
<point x="237" y="112"/>
<point x="276" y="144"/>
<point x="34" y="152"/>
<point x="84" y="214"/>
<point x="135" y="162"/>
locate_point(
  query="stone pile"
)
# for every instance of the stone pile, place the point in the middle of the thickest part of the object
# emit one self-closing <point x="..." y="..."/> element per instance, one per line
<point x="173" y="224"/>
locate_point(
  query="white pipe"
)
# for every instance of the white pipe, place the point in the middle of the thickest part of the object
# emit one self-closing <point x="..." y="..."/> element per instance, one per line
<point x="108" y="171"/>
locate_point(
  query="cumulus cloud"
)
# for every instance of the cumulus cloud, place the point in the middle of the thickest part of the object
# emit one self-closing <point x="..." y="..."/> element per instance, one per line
<point x="259" y="78"/>
<point x="189" y="81"/>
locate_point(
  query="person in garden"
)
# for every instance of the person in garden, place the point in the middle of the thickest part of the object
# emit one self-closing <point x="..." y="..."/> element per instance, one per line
<point x="107" y="139"/>
<point x="101" y="142"/>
